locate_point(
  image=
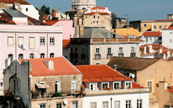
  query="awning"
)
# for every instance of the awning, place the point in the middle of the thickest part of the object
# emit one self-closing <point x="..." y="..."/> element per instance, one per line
<point x="42" y="85"/>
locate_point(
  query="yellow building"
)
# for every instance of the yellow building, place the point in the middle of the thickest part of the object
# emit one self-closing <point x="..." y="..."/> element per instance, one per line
<point x="127" y="31"/>
<point x="158" y="25"/>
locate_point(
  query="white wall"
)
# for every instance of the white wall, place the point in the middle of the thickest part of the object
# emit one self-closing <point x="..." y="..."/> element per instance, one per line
<point x="117" y="97"/>
<point x="151" y="40"/>
<point x="167" y="37"/>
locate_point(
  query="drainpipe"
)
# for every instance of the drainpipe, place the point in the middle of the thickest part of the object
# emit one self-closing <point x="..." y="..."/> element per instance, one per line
<point x="15" y="46"/>
<point x="47" y="44"/>
<point x="111" y="102"/>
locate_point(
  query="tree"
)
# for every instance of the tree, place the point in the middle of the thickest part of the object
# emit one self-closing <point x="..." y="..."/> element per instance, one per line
<point x="45" y="10"/>
<point x="113" y="21"/>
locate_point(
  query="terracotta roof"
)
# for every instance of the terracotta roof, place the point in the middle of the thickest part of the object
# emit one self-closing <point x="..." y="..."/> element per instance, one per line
<point x="35" y="22"/>
<point x="14" y="1"/>
<point x="51" y="22"/>
<point x="66" y="43"/>
<point x="100" y="73"/>
<point x="61" y="67"/>
<point x="151" y="33"/>
<point x="94" y="8"/>
<point x="170" y="27"/>
<point x="101" y="13"/>
<point x="163" y="21"/>
<point x="5" y="19"/>
<point x="170" y="89"/>
<point x="131" y="63"/>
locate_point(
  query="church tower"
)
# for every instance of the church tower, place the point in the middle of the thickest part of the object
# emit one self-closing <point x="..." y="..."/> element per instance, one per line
<point x="83" y="4"/>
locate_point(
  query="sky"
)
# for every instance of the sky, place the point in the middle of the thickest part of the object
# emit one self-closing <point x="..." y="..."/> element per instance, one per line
<point x="133" y="9"/>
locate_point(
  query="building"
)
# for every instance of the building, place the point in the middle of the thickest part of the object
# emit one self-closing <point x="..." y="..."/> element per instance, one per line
<point x="23" y="37"/>
<point x="167" y="39"/>
<point x="158" y="25"/>
<point x="156" y="74"/>
<point x="56" y="15"/>
<point x="21" y="5"/>
<point x="98" y="17"/>
<point x="107" y="88"/>
<point x="121" y="22"/>
<point x="170" y="16"/>
<point x="151" y="37"/>
<point x="83" y="4"/>
<point x="141" y="25"/>
<point x="44" y="83"/>
<point x="66" y="48"/>
<point x="98" y="45"/>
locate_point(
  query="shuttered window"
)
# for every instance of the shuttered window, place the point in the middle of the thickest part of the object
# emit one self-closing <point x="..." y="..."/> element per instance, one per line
<point x="31" y="42"/>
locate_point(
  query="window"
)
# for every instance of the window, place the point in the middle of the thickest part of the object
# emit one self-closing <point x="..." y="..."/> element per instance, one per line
<point x="42" y="105"/>
<point x="128" y="84"/>
<point x="20" y="40"/>
<point x="145" y="25"/>
<point x="97" y="50"/>
<point x="146" y="39"/>
<point x="160" y="26"/>
<point x="128" y="103"/>
<point x="73" y="85"/>
<point x="139" y="103"/>
<point x="52" y="41"/>
<point x="59" y="105"/>
<point x="93" y="86"/>
<point x="132" y="50"/>
<point x="42" y="40"/>
<point x="117" y="104"/>
<point x="149" y="85"/>
<point x="109" y="50"/>
<point x="93" y="105"/>
<point x="121" y="50"/>
<point x="42" y="55"/>
<point x="150" y="39"/>
<point x="20" y="56"/>
<point x="31" y="42"/>
<point x="117" y="85"/>
<point x="51" y="55"/>
<point x="93" y="21"/>
<point x="170" y="32"/>
<point x="57" y="86"/>
<point x="97" y="21"/>
<point x="170" y="40"/>
<point x="10" y="57"/>
<point x="31" y="56"/>
<point x="98" y="17"/>
<point x="165" y="26"/>
<point x="10" y="40"/>
<point x="94" y="16"/>
<point x="105" y="104"/>
<point x="74" y="104"/>
<point x="155" y="26"/>
<point x="26" y="9"/>
<point x="105" y="85"/>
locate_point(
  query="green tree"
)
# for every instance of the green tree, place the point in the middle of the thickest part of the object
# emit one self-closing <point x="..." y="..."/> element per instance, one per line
<point x="45" y="10"/>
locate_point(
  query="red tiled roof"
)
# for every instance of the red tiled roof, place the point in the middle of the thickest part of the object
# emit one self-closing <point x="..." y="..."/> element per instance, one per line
<point x="14" y="1"/>
<point x="163" y="21"/>
<point x="35" y="22"/>
<point x="151" y="33"/>
<point x="61" y="67"/>
<point x="66" y="43"/>
<point x="100" y="73"/>
<point x="170" y="27"/>
<point x="5" y="20"/>
<point x="170" y="89"/>
<point x="51" y="22"/>
<point x="101" y="13"/>
<point x="94" y="8"/>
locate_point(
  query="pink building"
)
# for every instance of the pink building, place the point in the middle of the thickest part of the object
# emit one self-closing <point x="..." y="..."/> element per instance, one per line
<point x="28" y="39"/>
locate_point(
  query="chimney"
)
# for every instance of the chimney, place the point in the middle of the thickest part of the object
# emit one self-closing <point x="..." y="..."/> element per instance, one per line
<point x="54" y="14"/>
<point x="145" y="50"/>
<point x="150" y="48"/>
<point x="115" y="67"/>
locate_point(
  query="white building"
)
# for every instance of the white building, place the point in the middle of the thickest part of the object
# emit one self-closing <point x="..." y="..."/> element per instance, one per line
<point x="83" y="4"/>
<point x="107" y="88"/>
<point x="167" y="37"/>
<point x="150" y="37"/>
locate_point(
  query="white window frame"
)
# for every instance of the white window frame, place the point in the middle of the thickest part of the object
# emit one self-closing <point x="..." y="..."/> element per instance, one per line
<point x="52" y="40"/>
<point x="92" y="84"/>
<point x="74" y="104"/>
<point x="128" y="104"/>
<point x="104" y="83"/>
<point x="104" y="104"/>
<point x="73" y="87"/>
<point x="20" y="36"/>
<point x="10" y="37"/>
<point x="42" y="40"/>
<point x="43" y="105"/>
<point x="116" y="105"/>
<point x="42" y="54"/>
<point x="59" y="104"/>
<point x="58" y="83"/>
<point x="93" y="105"/>
<point x="151" y="85"/>
<point x="119" y="82"/>
<point x="126" y="85"/>
<point x="139" y="103"/>
<point x="30" y="42"/>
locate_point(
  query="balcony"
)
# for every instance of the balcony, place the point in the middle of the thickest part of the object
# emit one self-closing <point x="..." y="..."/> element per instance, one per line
<point x="120" y="54"/>
<point x="109" y="56"/>
<point x="97" y="56"/>
<point x="132" y="54"/>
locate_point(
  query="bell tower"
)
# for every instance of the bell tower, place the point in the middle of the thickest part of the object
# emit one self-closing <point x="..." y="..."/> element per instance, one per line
<point x="83" y="4"/>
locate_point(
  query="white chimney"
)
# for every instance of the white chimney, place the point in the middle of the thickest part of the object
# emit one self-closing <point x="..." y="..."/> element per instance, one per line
<point x="115" y="67"/>
<point x="49" y="64"/>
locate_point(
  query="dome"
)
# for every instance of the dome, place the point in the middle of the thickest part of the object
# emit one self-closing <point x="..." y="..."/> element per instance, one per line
<point x="83" y="4"/>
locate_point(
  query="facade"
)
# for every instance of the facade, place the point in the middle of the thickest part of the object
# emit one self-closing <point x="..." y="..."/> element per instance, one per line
<point x="83" y="4"/>
<point x="151" y="37"/>
<point x="66" y="48"/>
<point x="97" y="46"/>
<point x="42" y="83"/>
<point x="97" y="17"/>
<point x="141" y="25"/>
<point x="159" y="25"/>
<point x="167" y="39"/>
<point x="152" y="73"/>
<point x="107" y="88"/>
<point x="170" y="16"/>
<point x="21" y="5"/>
<point x="121" y="22"/>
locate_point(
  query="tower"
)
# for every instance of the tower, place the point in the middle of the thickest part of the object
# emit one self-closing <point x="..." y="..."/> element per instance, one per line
<point x="83" y="4"/>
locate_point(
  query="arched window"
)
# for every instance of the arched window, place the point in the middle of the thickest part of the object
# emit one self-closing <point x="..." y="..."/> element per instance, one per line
<point x="42" y="55"/>
<point x="10" y="57"/>
<point x="20" y="56"/>
<point x="31" y="56"/>
<point x="51" y="55"/>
